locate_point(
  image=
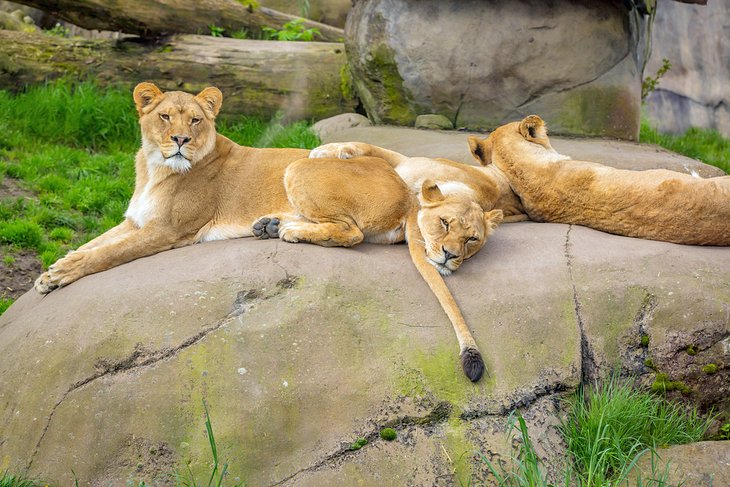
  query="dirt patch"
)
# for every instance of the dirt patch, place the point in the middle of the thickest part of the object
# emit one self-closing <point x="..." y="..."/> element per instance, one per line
<point x="11" y="188"/>
<point x="17" y="277"/>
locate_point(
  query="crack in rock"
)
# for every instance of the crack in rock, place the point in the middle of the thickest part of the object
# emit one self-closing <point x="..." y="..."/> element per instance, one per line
<point x="635" y="353"/>
<point x="588" y="367"/>
<point x="142" y="357"/>
<point x="524" y="400"/>
<point x="439" y="414"/>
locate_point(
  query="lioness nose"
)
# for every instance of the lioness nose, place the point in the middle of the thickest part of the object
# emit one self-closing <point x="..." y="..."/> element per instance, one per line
<point x="447" y="255"/>
<point x="180" y="140"/>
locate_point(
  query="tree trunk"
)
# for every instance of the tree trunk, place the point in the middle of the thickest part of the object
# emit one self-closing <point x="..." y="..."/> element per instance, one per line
<point x="153" y="18"/>
<point x="298" y="79"/>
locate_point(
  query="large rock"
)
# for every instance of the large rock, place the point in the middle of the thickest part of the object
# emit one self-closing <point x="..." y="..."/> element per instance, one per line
<point x="482" y="64"/>
<point x="299" y="350"/>
<point x="701" y="464"/>
<point x="695" y="91"/>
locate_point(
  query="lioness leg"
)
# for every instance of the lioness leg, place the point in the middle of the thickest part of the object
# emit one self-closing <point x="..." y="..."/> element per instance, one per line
<point x="326" y="234"/>
<point x="109" y="236"/>
<point x="349" y="150"/>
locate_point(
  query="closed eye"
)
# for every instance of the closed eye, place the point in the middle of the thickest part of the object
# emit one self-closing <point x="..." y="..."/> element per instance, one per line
<point x="195" y="121"/>
<point x="472" y="239"/>
<point x="165" y="117"/>
<point x="445" y="224"/>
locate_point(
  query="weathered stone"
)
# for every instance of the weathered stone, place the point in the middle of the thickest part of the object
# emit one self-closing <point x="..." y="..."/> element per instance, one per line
<point x="433" y="121"/>
<point x="298" y="79"/>
<point x="154" y="18"/>
<point x="482" y="64"/>
<point x="702" y="464"/>
<point x="329" y="126"/>
<point x="16" y="20"/>
<point x="623" y="155"/>
<point x="330" y="12"/>
<point x="695" y="91"/>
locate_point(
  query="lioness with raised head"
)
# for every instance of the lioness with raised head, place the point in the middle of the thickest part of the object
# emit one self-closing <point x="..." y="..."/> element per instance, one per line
<point x="656" y="204"/>
<point x="194" y="185"/>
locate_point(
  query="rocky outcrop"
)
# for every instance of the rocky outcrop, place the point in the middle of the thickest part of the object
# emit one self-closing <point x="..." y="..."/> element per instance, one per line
<point x="300" y="350"/>
<point x="695" y="91"/>
<point x="482" y="64"/>
<point x="702" y="464"/>
<point x="298" y="79"/>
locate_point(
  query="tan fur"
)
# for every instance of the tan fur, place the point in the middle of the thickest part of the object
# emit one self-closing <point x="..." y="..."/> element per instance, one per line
<point x="194" y="185"/>
<point x="655" y="204"/>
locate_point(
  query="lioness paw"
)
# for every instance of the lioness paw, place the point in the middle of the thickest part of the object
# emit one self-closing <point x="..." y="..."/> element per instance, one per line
<point x="43" y="284"/>
<point x="336" y="150"/>
<point x="266" y="228"/>
<point x="63" y="272"/>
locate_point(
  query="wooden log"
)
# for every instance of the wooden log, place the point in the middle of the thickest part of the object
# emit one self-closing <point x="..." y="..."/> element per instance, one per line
<point x="299" y="79"/>
<point x="153" y="18"/>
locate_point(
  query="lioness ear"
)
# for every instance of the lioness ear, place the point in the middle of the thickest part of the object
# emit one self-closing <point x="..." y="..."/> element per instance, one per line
<point x="533" y="127"/>
<point x="430" y="192"/>
<point x="478" y="149"/>
<point x="492" y="219"/>
<point x="211" y="100"/>
<point x="146" y="96"/>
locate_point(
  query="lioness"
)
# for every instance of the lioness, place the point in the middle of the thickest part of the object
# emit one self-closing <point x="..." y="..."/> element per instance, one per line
<point x="194" y="185"/>
<point x="656" y="204"/>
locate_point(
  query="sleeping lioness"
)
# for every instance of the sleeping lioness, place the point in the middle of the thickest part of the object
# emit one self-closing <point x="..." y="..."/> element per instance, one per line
<point x="656" y="204"/>
<point x="194" y="185"/>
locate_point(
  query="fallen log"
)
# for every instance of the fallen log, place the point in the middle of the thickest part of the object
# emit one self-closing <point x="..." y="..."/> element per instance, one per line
<point x="299" y="79"/>
<point x="153" y="18"/>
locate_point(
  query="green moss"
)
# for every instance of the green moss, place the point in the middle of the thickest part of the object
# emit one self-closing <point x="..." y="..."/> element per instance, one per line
<point x="662" y="384"/>
<point x="359" y="443"/>
<point x="644" y="340"/>
<point x="388" y="434"/>
<point x="648" y="362"/>
<point x="346" y="87"/>
<point x="691" y="350"/>
<point x="709" y="369"/>
<point x="600" y="111"/>
<point x="459" y="449"/>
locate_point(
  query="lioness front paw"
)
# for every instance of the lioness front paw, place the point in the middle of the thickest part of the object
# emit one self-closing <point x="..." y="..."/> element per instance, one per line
<point x="266" y="228"/>
<point x="338" y="150"/>
<point x="63" y="272"/>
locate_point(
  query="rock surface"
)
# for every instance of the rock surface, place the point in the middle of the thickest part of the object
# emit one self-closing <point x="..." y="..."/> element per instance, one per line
<point x="329" y="126"/>
<point x="300" y="350"/>
<point x="433" y="121"/>
<point x="695" y="91"/>
<point x="703" y="464"/>
<point x="481" y="64"/>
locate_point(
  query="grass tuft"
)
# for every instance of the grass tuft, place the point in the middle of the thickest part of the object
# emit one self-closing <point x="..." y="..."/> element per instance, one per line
<point x="8" y="480"/>
<point x="706" y="145"/>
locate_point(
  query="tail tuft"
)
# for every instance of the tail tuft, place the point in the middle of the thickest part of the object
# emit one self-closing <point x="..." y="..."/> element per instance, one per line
<point x="472" y="363"/>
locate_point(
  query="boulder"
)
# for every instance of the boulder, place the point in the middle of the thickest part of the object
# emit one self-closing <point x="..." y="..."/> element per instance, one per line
<point x="695" y="91"/>
<point x="328" y="126"/>
<point x="482" y="64"/>
<point x="702" y="464"/>
<point x="299" y="350"/>
<point x="433" y="121"/>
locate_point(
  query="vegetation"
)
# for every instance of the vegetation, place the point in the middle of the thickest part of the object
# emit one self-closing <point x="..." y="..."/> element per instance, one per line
<point x="650" y="83"/>
<point x="388" y="434"/>
<point x="72" y="146"/>
<point x="8" y="480"/>
<point x="291" y="31"/>
<point x="606" y="430"/>
<point x="706" y="145"/>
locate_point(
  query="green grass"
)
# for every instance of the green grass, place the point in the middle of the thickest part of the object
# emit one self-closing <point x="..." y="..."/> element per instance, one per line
<point x="72" y="145"/>
<point x="706" y="145"/>
<point x="8" y="480"/>
<point x="606" y="430"/>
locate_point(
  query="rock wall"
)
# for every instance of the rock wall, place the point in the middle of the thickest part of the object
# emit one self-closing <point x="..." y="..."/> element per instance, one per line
<point x="695" y="92"/>
<point x="482" y="64"/>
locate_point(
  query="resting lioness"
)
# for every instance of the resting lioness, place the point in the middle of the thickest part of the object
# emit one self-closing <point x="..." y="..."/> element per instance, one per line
<point x="194" y="185"/>
<point x="656" y="204"/>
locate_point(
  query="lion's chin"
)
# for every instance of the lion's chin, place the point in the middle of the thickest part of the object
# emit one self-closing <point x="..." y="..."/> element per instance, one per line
<point x="178" y="163"/>
<point x="443" y="270"/>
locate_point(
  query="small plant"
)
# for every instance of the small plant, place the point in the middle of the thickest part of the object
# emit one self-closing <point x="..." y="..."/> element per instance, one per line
<point x="724" y="431"/>
<point x="58" y="30"/>
<point x="691" y="350"/>
<point x="644" y="340"/>
<point x="251" y="5"/>
<point x="216" y="31"/>
<point x="359" y="443"/>
<point x="388" y="434"/>
<point x="8" y="480"/>
<point x="709" y="369"/>
<point x="650" y="83"/>
<point x="4" y="305"/>
<point x="240" y="34"/>
<point x="648" y="362"/>
<point x="292" y="31"/>
<point x="9" y="260"/>
<point x="21" y="233"/>
<point x="662" y="384"/>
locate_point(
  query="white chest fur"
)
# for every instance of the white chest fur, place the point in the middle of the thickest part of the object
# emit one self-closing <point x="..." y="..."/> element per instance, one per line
<point x="142" y="207"/>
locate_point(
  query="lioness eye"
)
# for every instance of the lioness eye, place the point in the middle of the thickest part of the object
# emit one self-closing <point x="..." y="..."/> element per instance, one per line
<point x="165" y="117"/>
<point x="195" y="121"/>
<point x="472" y="239"/>
<point x="445" y="224"/>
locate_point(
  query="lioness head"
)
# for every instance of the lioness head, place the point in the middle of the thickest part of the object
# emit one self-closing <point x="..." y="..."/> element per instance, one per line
<point x="526" y="136"/>
<point x="453" y="227"/>
<point x="178" y="129"/>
